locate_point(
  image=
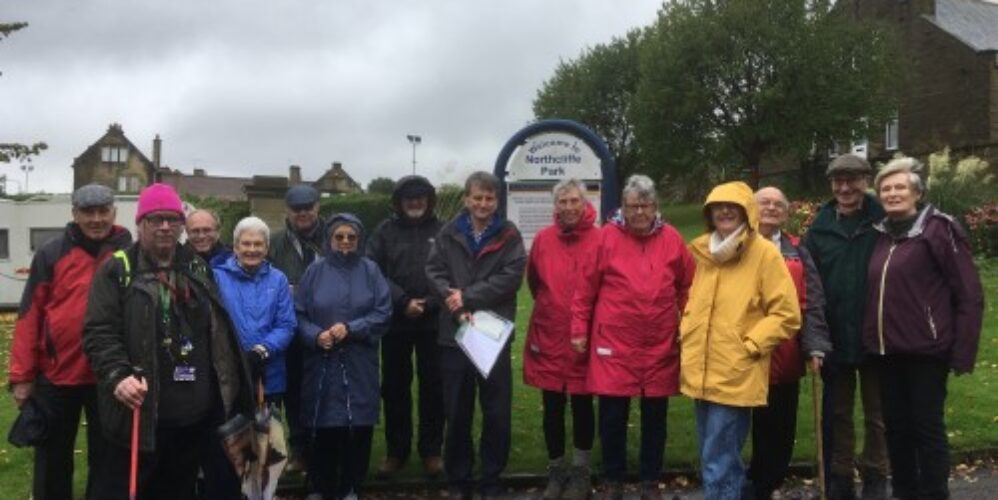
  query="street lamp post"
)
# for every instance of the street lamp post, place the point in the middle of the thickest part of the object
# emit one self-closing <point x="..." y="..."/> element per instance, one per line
<point x="27" y="169"/>
<point x="415" y="140"/>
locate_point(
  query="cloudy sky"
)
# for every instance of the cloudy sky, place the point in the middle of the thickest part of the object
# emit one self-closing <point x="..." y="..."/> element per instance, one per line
<point x="250" y="87"/>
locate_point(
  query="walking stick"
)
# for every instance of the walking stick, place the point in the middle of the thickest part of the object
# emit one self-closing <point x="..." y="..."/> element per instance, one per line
<point x="816" y="398"/>
<point x="133" y="473"/>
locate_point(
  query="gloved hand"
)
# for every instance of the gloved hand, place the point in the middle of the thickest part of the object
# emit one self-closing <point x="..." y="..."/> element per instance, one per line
<point x="256" y="361"/>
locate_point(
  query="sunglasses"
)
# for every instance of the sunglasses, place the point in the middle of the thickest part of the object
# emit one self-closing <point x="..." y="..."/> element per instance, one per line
<point x="345" y="237"/>
<point x="158" y="220"/>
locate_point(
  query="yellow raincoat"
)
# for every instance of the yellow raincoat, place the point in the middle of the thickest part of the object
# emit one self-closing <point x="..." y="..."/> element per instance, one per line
<point x="738" y="312"/>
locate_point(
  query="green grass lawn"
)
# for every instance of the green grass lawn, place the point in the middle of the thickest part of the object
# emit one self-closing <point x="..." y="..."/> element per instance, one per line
<point x="972" y="406"/>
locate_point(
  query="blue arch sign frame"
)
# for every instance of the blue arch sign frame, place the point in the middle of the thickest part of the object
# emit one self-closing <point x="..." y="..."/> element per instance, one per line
<point x="609" y="194"/>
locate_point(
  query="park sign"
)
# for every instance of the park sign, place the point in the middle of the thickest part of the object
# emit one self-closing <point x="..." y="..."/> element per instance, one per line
<point x="538" y="157"/>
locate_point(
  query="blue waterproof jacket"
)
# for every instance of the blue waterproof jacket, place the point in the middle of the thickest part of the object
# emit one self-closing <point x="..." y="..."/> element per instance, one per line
<point x="262" y="310"/>
<point x="340" y="387"/>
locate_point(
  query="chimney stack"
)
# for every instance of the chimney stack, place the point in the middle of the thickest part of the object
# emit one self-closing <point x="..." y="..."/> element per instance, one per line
<point x="157" y="149"/>
<point x="198" y="172"/>
<point x="294" y="175"/>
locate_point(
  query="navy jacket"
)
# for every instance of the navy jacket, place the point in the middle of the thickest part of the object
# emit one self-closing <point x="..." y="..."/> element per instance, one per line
<point x="340" y="387"/>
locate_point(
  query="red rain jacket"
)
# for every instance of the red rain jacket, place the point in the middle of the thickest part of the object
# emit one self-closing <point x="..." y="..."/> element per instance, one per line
<point x="629" y="305"/>
<point x="554" y="270"/>
<point x="48" y="334"/>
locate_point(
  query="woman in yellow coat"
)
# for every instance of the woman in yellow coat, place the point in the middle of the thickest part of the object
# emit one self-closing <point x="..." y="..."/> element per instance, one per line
<point x="741" y="305"/>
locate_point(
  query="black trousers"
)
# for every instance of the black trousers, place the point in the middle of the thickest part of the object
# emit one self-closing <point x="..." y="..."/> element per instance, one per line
<point x="583" y="422"/>
<point x="396" y="392"/>
<point x="53" y="468"/>
<point x="773" y="430"/>
<point x="169" y="473"/>
<point x="338" y="460"/>
<point x="298" y="435"/>
<point x="460" y="381"/>
<point x="913" y="392"/>
<point x="613" y="415"/>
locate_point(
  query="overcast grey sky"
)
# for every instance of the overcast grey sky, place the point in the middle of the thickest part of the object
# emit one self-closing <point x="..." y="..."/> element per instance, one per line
<point x="250" y="87"/>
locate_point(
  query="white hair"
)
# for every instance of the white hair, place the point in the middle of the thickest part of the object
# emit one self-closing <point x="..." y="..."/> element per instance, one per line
<point x="251" y="223"/>
<point x="641" y="185"/>
<point x="565" y="184"/>
<point x="906" y="165"/>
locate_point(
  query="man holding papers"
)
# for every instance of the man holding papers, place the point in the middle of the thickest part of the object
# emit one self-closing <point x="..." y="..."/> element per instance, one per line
<point x="476" y="264"/>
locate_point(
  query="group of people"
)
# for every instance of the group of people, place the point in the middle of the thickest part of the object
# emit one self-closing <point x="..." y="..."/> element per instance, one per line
<point x="324" y="321"/>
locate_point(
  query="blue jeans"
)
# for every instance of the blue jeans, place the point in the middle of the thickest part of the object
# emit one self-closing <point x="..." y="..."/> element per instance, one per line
<point x="721" y="434"/>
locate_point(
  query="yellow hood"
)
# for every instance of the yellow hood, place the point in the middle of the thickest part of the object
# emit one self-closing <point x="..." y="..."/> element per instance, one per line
<point x="738" y="193"/>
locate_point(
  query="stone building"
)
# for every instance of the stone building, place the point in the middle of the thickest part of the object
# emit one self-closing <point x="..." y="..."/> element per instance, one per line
<point x="115" y="162"/>
<point x="951" y="95"/>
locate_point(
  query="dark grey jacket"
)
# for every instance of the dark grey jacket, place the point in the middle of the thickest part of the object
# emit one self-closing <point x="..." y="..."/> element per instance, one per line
<point x="120" y="333"/>
<point x="286" y="254"/>
<point x="488" y="281"/>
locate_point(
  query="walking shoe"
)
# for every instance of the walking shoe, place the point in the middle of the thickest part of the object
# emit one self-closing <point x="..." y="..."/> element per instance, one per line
<point x="388" y="468"/>
<point x="557" y="477"/>
<point x="580" y="483"/>
<point x="874" y="485"/>
<point x="650" y="491"/>
<point x="433" y="466"/>
<point x="841" y="488"/>
<point x="613" y="491"/>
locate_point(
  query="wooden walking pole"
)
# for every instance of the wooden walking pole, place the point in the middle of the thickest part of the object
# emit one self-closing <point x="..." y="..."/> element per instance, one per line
<point x="816" y="398"/>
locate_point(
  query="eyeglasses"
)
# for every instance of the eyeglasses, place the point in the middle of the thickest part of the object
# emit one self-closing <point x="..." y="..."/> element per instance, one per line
<point x="158" y="220"/>
<point x="345" y="237"/>
<point x="201" y="232"/>
<point x="639" y="207"/>
<point x="300" y="208"/>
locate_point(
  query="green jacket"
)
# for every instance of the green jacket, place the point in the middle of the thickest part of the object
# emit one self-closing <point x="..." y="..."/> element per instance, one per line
<point x="842" y="260"/>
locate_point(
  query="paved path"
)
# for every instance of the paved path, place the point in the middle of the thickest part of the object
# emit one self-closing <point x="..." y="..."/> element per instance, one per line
<point x="975" y="481"/>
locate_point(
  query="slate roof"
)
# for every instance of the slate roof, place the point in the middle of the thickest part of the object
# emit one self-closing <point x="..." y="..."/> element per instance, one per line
<point x="974" y="22"/>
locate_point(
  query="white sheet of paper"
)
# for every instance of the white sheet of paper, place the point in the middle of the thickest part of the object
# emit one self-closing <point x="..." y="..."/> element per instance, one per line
<point x="483" y="339"/>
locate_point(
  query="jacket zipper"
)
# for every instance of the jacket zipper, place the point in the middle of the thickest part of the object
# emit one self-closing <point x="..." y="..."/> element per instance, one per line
<point x="880" y="305"/>
<point x="932" y="323"/>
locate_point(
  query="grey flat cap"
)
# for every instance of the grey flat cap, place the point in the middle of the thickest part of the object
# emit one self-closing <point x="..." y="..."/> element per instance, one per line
<point x="93" y="195"/>
<point x="848" y="164"/>
<point x="300" y="195"/>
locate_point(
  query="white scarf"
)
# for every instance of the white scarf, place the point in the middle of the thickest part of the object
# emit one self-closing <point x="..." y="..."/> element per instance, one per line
<point x="724" y="249"/>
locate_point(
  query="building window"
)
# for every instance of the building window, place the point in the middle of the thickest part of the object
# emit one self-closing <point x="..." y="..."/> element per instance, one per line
<point x="113" y="154"/>
<point x="128" y="184"/>
<point x="859" y="148"/>
<point x="891" y="135"/>
<point x="42" y="235"/>
<point x="4" y="243"/>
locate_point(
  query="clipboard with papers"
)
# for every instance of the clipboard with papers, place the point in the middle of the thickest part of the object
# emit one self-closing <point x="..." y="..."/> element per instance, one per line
<point x="483" y="338"/>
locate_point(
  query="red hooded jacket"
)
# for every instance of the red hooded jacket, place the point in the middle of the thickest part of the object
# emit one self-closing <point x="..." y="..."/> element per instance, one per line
<point x="48" y="334"/>
<point x="629" y="305"/>
<point x="554" y="269"/>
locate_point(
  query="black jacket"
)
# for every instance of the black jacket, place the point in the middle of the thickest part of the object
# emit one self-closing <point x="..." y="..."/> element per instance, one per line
<point x="400" y="247"/>
<point x="488" y="281"/>
<point x="120" y="333"/>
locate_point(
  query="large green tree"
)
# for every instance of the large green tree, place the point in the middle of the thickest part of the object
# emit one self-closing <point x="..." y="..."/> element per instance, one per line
<point x="597" y="90"/>
<point x="727" y="83"/>
<point x="14" y="151"/>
